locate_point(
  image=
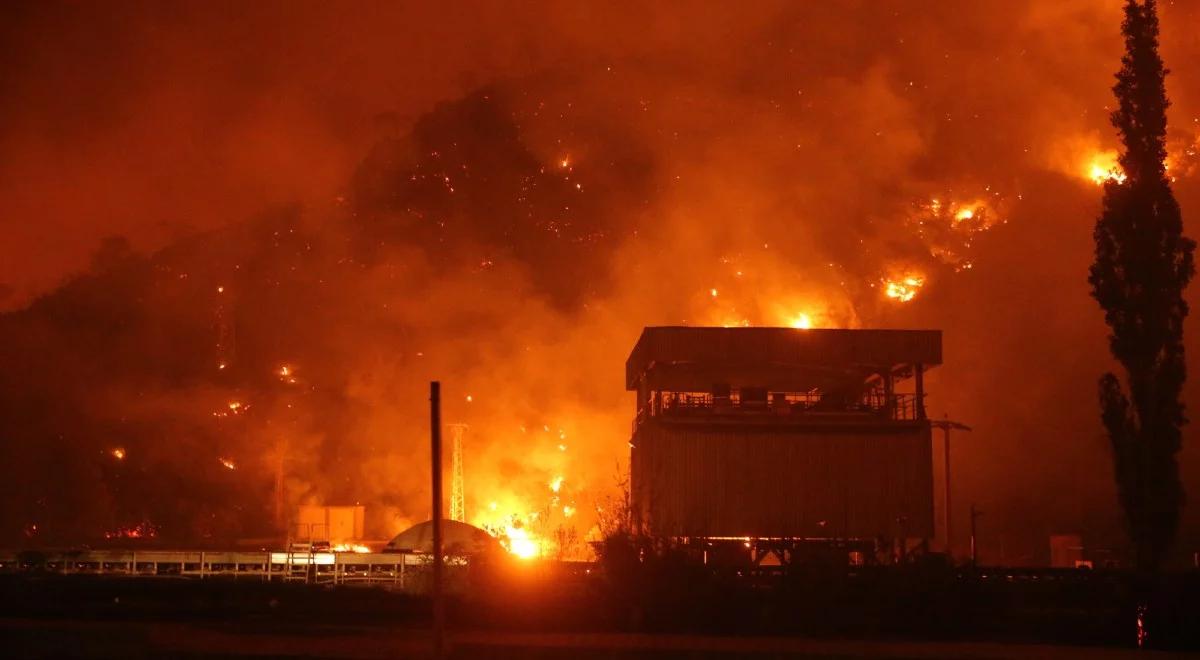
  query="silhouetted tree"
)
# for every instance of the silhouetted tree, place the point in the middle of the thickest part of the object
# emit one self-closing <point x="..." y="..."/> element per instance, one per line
<point x="1143" y="263"/>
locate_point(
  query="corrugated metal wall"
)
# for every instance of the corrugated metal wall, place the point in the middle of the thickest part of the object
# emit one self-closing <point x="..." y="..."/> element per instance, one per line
<point x="705" y="480"/>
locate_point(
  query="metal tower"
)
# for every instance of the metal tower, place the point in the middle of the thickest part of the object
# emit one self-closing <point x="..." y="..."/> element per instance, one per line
<point x="458" y="509"/>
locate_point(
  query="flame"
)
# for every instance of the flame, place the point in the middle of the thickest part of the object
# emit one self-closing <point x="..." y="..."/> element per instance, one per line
<point x="802" y="322"/>
<point x="118" y="453"/>
<point x="287" y="374"/>
<point x="1103" y="167"/>
<point x="520" y="543"/>
<point x="903" y="289"/>
<point x="229" y="464"/>
<point x="350" y="547"/>
<point x="556" y="484"/>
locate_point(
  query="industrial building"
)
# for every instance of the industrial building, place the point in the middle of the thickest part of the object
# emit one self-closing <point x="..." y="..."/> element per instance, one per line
<point x="782" y="436"/>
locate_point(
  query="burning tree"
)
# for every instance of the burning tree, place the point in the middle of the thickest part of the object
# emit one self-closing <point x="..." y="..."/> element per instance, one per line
<point x="1143" y="263"/>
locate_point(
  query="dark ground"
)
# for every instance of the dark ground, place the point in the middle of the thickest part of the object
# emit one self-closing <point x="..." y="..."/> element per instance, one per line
<point x="543" y="615"/>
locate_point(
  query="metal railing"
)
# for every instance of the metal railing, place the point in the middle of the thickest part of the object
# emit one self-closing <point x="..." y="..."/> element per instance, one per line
<point x="388" y="570"/>
<point x="783" y="405"/>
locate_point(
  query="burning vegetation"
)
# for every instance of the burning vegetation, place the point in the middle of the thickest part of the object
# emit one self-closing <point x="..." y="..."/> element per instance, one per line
<point x="509" y="235"/>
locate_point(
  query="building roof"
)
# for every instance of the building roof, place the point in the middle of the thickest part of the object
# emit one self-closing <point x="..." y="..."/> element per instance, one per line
<point x="458" y="538"/>
<point x="684" y="358"/>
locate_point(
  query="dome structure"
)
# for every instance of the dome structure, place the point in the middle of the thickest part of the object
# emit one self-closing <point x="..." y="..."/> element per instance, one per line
<point x="458" y="538"/>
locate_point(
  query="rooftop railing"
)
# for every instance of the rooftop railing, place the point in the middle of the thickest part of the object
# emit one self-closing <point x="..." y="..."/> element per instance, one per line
<point x="782" y="406"/>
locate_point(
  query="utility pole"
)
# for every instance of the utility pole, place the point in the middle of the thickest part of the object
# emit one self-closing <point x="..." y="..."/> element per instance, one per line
<point x="435" y="437"/>
<point x="458" y="509"/>
<point x="281" y="450"/>
<point x="946" y="425"/>
<point x="975" y="515"/>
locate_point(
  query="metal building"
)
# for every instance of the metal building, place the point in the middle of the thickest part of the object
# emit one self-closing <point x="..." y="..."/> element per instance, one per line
<point x="780" y="433"/>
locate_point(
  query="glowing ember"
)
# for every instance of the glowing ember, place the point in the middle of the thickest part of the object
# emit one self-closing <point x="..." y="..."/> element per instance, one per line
<point x="144" y="529"/>
<point x="231" y="408"/>
<point x="1103" y="167"/>
<point x="964" y="214"/>
<point x="712" y="292"/>
<point x="568" y="511"/>
<point x="287" y="374"/>
<point x="118" y="453"/>
<point x="229" y="465"/>
<point x="903" y="289"/>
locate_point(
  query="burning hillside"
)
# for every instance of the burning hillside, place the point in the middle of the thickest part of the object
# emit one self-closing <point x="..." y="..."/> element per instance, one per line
<point x="348" y="218"/>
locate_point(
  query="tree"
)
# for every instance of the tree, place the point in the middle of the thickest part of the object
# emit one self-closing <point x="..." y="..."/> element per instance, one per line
<point x="1143" y="263"/>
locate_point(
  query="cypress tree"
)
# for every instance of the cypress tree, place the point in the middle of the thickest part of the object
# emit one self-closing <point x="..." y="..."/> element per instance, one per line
<point x="1143" y="263"/>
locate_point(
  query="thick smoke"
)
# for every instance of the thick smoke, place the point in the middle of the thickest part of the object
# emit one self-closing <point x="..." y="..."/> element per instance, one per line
<point x="501" y="200"/>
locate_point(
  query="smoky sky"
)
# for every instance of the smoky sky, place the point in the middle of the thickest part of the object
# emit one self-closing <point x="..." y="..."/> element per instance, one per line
<point x="501" y="196"/>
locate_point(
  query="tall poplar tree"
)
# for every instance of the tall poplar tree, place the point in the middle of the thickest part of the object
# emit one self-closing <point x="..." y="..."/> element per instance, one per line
<point x="1143" y="263"/>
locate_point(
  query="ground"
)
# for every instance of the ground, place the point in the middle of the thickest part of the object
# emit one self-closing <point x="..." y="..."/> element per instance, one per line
<point x="93" y="639"/>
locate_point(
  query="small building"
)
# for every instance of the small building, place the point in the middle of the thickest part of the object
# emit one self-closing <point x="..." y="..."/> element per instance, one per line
<point x="782" y="433"/>
<point x="328" y="524"/>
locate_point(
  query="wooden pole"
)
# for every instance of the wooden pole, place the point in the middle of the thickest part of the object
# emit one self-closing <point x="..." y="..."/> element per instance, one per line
<point x="946" y="492"/>
<point x="974" y="516"/>
<point x="435" y="435"/>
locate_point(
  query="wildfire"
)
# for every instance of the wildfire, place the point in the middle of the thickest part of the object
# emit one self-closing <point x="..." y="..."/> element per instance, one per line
<point x="118" y="453"/>
<point x="948" y="223"/>
<point x="903" y="289"/>
<point x="1103" y="167"/>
